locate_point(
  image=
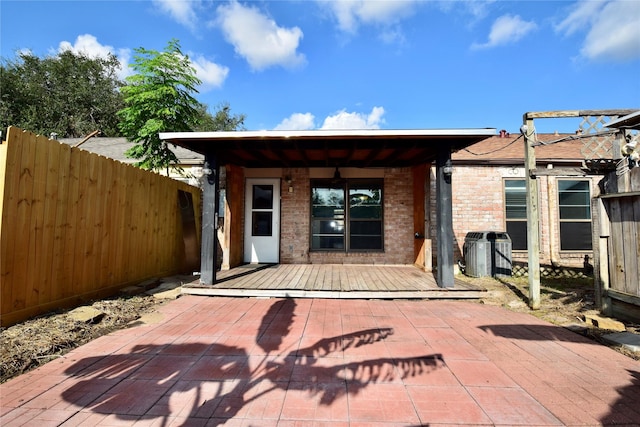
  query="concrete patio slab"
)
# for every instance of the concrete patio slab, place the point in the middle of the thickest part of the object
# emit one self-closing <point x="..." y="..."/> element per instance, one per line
<point x="625" y="339"/>
<point x="209" y="361"/>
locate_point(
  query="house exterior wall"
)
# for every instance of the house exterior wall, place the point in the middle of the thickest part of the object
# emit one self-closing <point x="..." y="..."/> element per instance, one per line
<point x="230" y="235"/>
<point x="398" y="223"/>
<point x="295" y="216"/>
<point x="478" y="205"/>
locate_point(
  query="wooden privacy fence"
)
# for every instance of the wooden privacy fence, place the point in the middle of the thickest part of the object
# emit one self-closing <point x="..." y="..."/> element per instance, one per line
<point x="620" y="230"/>
<point x="77" y="226"/>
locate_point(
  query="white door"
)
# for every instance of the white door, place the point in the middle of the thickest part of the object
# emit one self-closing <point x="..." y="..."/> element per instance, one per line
<point x="262" y="221"/>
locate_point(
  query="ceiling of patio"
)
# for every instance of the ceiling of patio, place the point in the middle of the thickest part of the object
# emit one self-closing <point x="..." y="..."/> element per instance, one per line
<point x="340" y="148"/>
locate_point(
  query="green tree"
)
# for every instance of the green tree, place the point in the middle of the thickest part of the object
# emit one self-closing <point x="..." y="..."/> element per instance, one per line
<point x="158" y="98"/>
<point x="222" y="120"/>
<point x="69" y="94"/>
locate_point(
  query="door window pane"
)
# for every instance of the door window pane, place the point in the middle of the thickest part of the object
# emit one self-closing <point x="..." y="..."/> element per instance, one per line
<point x="261" y="223"/>
<point x="262" y="197"/>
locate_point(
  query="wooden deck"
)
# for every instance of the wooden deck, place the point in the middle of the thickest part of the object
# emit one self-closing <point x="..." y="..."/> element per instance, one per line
<point x="330" y="281"/>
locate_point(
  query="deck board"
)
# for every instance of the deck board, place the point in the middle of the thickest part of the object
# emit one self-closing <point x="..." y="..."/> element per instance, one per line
<point x="331" y="281"/>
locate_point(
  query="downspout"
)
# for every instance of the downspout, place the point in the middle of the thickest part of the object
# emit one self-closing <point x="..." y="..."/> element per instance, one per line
<point x="552" y="223"/>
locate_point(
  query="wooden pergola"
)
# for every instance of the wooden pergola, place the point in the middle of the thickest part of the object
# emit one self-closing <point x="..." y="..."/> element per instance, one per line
<point x="594" y="123"/>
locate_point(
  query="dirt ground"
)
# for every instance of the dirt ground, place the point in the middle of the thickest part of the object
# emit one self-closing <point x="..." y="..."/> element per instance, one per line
<point x="32" y="343"/>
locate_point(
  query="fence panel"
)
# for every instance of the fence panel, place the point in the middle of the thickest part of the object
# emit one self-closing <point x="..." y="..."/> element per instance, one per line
<point x="624" y="244"/>
<point x="631" y="236"/>
<point x="76" y="226"/>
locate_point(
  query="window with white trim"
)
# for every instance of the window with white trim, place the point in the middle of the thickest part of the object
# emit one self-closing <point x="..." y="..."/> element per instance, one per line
<point x="515" y="206"/>
<point x="574" y="213"/>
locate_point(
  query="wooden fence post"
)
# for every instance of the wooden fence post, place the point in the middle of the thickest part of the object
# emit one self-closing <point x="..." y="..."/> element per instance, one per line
<point x="533" y="215"/>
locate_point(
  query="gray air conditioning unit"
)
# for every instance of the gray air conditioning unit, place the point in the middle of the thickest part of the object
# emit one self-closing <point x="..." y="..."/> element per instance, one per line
<point x="487" y="253"/>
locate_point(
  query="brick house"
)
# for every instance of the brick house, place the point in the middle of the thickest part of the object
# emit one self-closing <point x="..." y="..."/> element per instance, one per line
<point x="489" y="194"/>
<point x="344" y="196"/>
<point x="486" y="183"/>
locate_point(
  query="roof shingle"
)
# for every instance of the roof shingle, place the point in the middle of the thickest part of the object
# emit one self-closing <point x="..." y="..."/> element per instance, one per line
<point x="511" y="147"/>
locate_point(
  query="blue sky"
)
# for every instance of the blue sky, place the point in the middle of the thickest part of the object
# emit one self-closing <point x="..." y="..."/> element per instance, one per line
<point x="387" y="64"/>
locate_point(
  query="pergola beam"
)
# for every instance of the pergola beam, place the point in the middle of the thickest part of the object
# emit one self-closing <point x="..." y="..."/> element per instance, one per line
<point x="574" y="113"/>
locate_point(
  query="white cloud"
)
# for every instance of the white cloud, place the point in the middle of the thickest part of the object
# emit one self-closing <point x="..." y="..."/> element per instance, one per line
<point x="258" y="39"/>
<point x="505" y="30"/>
<point x="580" y="17"/>
<point x="89" y="45"/>
<point x="25" y="51"/>
<point x="211" y="74"/>
<point x="478" y="8"/>
<point x="180" y="10"/>
<point x="613" y="29"/>
<point x="392" y="35"/>
<point x="344" y="120"/>
<point x="350" y="14"/>
<point x="297" y="121"/>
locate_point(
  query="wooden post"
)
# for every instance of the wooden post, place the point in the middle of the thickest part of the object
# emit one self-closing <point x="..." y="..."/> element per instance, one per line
<point x="419" y="179"/>
<point x="209" y="250"/>
<point x="533" y="215"/>
<point x="601" y="234"/>
<point x="428" y="248"/>
<point x="444" y="214"/>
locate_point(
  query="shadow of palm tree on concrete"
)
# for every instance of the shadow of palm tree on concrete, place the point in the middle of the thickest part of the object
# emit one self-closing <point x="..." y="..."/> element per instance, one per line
<point x="217" y="382"/>
<point x="626" y="410"/>
<point x="536" y="332"/>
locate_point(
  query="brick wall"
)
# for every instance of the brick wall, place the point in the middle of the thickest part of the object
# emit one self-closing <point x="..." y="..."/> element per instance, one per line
<point x="477" y="202"/>
<point x="398" y="220"/>
<point x="295" y="212"/>
<point x="478" y="205"/>
<point x="398" y="216"/>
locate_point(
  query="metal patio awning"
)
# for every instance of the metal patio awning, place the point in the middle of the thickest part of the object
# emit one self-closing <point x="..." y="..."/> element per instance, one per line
<point x="328" y="148"/>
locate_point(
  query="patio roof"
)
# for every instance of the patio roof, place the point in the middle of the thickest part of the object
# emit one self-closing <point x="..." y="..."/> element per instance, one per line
<point x="328" y="148"/>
